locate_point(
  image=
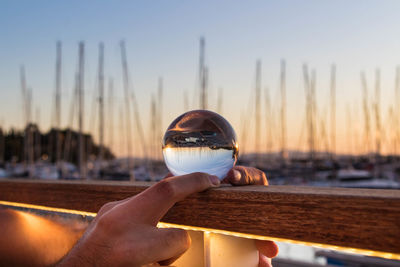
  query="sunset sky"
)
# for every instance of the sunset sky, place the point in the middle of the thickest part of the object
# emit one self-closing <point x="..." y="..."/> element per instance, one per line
<point x="162" y="39"/>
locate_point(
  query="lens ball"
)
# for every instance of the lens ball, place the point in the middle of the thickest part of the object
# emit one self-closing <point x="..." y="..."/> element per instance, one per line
<point x="200" y="141"/>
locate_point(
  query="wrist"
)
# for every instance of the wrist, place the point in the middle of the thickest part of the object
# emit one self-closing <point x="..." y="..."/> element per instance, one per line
<point x="84" y="253"/>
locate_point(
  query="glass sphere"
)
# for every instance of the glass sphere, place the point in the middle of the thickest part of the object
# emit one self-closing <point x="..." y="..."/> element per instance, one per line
<point x="200" y="141"/>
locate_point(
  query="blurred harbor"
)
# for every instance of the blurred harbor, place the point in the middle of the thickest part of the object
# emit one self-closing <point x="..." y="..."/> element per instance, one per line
<point x="311" y="88"/>
<point x="76" y="153"/>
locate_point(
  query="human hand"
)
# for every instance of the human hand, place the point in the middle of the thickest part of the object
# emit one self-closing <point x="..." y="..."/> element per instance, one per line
<point x="125" y="232"/>
<point x="241" y="175"/>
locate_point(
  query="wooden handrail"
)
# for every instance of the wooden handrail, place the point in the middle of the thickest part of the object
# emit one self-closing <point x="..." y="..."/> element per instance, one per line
<point x="359" y="218"/>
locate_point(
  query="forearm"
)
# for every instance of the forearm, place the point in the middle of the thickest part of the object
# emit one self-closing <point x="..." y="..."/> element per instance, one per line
<point x="30" y="240"/>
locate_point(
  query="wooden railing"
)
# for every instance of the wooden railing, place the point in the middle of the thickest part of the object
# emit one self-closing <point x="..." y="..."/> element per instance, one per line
<point x="362" y="219"/>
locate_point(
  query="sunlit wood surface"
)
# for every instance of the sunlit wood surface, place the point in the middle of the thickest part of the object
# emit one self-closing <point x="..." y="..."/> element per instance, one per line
<point x="358" y="218"/>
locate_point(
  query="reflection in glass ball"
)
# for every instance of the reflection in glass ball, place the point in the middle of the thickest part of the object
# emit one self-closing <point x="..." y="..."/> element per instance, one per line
<point x="200" y="141"/>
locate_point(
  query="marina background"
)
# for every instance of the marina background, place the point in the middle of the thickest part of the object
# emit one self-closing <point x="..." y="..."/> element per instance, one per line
<point x="311" y="88"/>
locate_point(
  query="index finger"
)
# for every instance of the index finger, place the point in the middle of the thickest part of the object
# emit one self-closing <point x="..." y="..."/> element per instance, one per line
<point x="152" y="204"/>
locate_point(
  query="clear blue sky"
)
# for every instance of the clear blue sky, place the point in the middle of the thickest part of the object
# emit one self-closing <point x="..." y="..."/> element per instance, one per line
<point x="162" y="39"/>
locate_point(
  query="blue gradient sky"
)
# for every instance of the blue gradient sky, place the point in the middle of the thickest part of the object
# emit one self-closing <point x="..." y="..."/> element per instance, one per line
<point x="162" y="39"/>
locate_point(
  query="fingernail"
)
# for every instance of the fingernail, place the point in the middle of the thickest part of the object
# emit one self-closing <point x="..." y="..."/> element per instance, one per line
<point x="236" y="176"/>
<point x="214" y="180"/>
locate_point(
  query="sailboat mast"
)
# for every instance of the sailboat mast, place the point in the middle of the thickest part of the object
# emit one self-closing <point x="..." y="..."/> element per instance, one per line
<point x="308" y="84"/>
<point x="58" y="103"/>
<point x="159" y="115"/>
<point x="111" y="113"/>
<point x="121" y="129"/>
<point x="127" y="108"/>
<point x="268" y="120"/>
<point x="257" y="107"/>
<point x="324" y="139"/>
<point x="37" y="135"/>
<point x="220" y="100"/>
<point x="154" y="133"/>
<point x="101" y="102"/>
<point x="81" y="157"/>
<point x="366" y="113"/>
<point x="72" y="114"/>
<point x="24" y="109"/>
<point x="136" y="113"/>
<point x="2" y="145"/>
<point x="377" y="112"/>
<point x="349" y="130"/>
<point x="283" y="111"/>
<point x="202" y="75"/>
<point x="313" y="114"/>
<point x="29" y="132"/>
<point x="333" y="111"/>
<point x="397" y="111"/>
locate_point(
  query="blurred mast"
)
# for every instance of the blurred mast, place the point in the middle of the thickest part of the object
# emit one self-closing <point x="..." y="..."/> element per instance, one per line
<point x="28" y="141"/>
<point x="160" y="114"/>
<point x="136" y="112"/>
<point x="284" y="154"/>
<point x="349" y="130"/>
<point x="24" y="111"/>
<point x="324" y="139"/>
<point x="393" y="131"/>
<point x="220" y="100"/>
<point x="153" y="131"/>
<point x="314" y="112"/>
<point x="121" y="128"/>
<point x="58" y="103"/>
<point x="29" y="132"/>
<point x="397" y="111"/>
<point x="378" y="133"/>
<point x="37" y="135"/>
<point x="308" y="86"/>
<point x="81" y="157"/>
<point x="307" y="95"/>
<point x="268" y="120"/>
<point x="367" y="139"/>
<point x="257" y="107"/>
<point x="67" y="143"/>
<point x="2" y="145"/>
<point x="101" y="105"/>
<point x="357" y="129"/>
<point x="202" y="75"/>
<point x="333" y="111"/>
<point x="127" y="110"/>
<point x="111" y="113"/>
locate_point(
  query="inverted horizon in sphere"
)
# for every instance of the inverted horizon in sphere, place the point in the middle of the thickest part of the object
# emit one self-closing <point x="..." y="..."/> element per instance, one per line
<point x="184" y="160"/>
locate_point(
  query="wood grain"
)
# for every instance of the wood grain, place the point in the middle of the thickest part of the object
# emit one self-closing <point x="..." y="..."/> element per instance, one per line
<point x="358" y="218"/>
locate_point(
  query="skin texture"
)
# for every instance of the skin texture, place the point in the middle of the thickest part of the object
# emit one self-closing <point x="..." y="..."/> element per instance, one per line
<point x="30" y="240"/>
<point x="124" y="233"/>
<point x="241" y="175"/>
